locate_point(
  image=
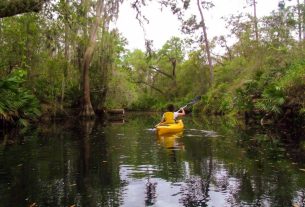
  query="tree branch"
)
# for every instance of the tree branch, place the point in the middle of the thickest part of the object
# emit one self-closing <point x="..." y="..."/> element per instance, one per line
<point x="217" y="60"/>
<point x="160" y="71"/>
<point x="13" y="7"/>
<point x="153" y="87"/>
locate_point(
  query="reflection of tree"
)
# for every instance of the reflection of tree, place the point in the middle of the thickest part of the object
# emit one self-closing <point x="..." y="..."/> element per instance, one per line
<point x="301" y="198"/>
<point x="150" y="192"/>
<point x="99" y="179"/>
<point x="62" y="166"/>
<point x="196" y="191"/>
<point x="14" y="136"/>
<point x="86" y="126"/>
<point x="171" y="161"/>
<point x="84" y="181"/>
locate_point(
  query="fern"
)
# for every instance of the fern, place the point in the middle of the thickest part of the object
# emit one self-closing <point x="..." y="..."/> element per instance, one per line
<point x="17" y="104"/>
<point x="272" y="100"/>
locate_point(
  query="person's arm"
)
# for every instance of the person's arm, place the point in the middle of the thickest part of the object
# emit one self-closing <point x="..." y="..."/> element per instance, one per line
<point x="182" y="113"/>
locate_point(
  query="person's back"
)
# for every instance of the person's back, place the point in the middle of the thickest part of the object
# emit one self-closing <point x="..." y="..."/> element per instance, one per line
<point x="170" y="116"/>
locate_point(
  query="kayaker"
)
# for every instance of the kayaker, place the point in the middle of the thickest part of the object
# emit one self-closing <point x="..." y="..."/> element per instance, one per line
<point x="170" y="116"/>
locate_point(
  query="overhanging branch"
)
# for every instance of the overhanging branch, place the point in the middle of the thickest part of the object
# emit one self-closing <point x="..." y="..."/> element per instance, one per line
<point x="13" y="7"/>
<point x="160" y="71"/>
<point x="151" y="86"/>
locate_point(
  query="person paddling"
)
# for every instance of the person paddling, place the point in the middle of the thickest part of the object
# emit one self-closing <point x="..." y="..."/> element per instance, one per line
<point x="170" y="116"/>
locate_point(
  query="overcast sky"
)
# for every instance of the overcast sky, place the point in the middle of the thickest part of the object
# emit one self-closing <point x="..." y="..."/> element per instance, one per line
<point x="163" y="25"/>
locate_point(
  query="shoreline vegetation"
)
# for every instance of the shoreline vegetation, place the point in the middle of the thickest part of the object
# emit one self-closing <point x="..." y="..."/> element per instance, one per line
<point x="55" y="63"/>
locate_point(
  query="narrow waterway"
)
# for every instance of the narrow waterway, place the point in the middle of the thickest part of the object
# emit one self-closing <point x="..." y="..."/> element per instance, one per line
<point x="213" y="162"/>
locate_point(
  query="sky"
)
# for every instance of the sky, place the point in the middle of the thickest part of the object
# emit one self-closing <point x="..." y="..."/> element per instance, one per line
<point x="163" y="24"/>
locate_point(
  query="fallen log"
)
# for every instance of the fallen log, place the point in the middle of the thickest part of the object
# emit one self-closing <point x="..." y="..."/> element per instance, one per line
<point x="116" y="121"/>
<point x="115" y="111"/>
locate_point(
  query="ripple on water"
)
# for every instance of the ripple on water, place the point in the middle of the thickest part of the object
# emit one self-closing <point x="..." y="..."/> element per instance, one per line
<point x="193" y="135"/>
<point x="132" y="171"/>
<point x="201" y="133"/>
<point x="151" y="129"/>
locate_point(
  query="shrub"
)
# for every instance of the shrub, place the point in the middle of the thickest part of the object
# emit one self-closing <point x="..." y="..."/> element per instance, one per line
<point x="17" y="104"/>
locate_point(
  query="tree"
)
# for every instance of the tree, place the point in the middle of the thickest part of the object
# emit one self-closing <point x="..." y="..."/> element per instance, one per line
<point x="290" y="12"/>
<point x="303" y="19"/>
<point x="241" y="28"/>
<point x="190" y="25"/>
<point x="169" y="59"/>
<point x="299" y="20"/>
<point x="105" y="12"/>
<point x="110" y="83"/>
<point x="255" y="23"/>
<point x="143" y="72"/>
<point x="158" y="71"/>
<point x="201" y="5"/>
<point x="87" y="110"/>
<point x="190" y="80"/>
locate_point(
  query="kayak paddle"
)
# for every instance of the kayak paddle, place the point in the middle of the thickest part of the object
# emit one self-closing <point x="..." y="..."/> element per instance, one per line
<point x="196" y="99"/>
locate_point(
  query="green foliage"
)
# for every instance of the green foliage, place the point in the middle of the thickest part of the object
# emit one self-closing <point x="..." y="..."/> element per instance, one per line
<point x="246" y="95"/>
<point x="217" y="101"/>
<point x="20" y="42"/>
<point x="294" y="75"/>
<point x="264" y="74"/>
<point x="111" y="85"/>
<point x="145" y="103"/>
<point x="73" y="96"/>
<point x="49" y="80"/>
<point x="192" y="77"/>
<point x="162" y="74"/>
<point x="17" y="103"/>
<point x="267" y="78"/>
<point x="272" y="100"/>
<point x="273" y="90"/>
<point x="228" y="72"/>
<point x="121" y="93"/>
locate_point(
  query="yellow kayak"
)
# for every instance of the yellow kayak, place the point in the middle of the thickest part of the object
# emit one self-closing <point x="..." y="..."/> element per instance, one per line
<point x="170" y="128"/>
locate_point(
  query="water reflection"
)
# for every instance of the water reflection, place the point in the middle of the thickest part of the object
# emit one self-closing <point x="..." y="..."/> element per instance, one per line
<point x="171" y="141"/>
<point x="151" y="196"/>
<point x="93" y="163"/>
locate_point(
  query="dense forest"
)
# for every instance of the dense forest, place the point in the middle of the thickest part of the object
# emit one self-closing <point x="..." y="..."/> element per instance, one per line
<point x="64" y="57"/>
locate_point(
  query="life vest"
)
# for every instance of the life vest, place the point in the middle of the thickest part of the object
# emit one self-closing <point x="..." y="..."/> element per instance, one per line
<point x="169" y="118"/>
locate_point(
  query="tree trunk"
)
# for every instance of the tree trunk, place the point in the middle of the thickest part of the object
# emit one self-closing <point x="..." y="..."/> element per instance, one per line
<point x="207" y="45"/>
<point x="63" y="86"/>
<point x="10" y="8"/>
<point x="105" y="65"/>
<point x="66" y="69"/>
<point x="255" y="21"/>
<point x="174" y="65"/>
<point x="87" y="110"/>
<point x="299" y="20"/>
<point x="303" y="20"/>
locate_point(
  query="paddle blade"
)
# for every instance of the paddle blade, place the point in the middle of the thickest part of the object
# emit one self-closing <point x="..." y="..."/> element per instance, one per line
<point x="196" y="99"/>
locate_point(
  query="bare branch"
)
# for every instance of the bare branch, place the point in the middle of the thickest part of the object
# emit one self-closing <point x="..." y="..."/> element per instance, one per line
<point x="160" y="71"/>
<point x="151" y="86"/>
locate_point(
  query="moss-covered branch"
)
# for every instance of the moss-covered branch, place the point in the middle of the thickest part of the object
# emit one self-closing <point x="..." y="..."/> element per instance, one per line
<point x="13" y="7"/>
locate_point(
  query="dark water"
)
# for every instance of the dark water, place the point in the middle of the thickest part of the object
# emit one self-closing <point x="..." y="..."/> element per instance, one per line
<point x="213" y="163"/>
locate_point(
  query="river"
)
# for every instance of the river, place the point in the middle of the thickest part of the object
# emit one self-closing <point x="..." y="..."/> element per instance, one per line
<point x="214" y="162"/>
